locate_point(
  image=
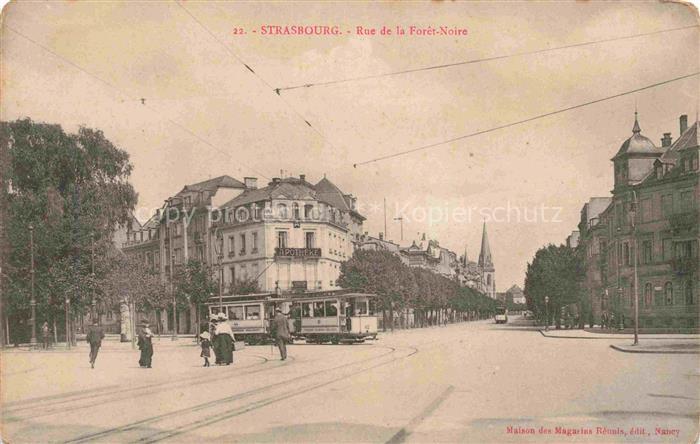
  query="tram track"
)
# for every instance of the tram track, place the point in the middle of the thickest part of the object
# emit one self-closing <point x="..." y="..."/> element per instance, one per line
<point x="211" y="412"/>
<point x="38" y="407"/>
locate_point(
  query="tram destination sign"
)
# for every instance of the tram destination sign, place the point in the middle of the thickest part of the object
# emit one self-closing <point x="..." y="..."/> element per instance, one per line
<point x="298" y="252"/>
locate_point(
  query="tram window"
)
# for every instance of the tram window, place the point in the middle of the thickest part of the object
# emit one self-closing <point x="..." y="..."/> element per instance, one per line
<point x="361" y="307"/>
<point x="235" y="313"/>
<point x="372" y="307"/>
<point x="331" y="308"/>
<point x="318" y="309"/>
<point x="252" y="312"/>
<point x="306" y="309"/>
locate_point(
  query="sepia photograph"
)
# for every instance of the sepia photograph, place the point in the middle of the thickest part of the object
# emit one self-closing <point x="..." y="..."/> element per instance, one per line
<point x="349" y="221"/>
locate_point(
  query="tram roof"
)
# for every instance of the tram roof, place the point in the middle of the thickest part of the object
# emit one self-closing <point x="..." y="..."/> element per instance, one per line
<point x="273" y="297"/>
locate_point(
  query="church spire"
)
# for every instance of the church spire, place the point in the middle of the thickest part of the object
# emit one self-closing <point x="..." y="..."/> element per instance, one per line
<point x="485" y="254"/>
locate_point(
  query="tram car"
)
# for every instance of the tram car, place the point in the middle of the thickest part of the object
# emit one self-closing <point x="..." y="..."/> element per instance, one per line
<point x="320" y="317"/>
<point x="248" y="315"/>
<point x="347" y="318"/>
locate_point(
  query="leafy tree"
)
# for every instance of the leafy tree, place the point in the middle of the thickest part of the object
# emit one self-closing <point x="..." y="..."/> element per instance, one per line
<point x="73" y="189"/>
<point x="555" y="272"/>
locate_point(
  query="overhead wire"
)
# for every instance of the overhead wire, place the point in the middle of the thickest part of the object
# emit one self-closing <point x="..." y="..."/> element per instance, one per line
<point x="520" y="122"/>
<point x="129" y="96"/>
<point x="473" y="61"/>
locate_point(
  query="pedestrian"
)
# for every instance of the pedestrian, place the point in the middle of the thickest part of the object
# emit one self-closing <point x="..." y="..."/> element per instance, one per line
<point x="205" y="343"/>
<point x="94" y="337"/>
<point x="145" y="345"/>
<point x="224" y="339"/>
<point x="280" y="329"/>
<point x="45" y="335"/>
<point x="214" y="342"/>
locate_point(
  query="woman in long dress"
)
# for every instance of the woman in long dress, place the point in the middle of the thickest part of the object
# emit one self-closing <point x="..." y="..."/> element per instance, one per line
<point x="145" y="345"/>
<point x="214" y="340"/>
<point x="224" y="340"/>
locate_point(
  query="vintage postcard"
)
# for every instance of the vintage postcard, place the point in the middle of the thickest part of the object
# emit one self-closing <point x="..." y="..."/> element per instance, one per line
<point x="349" y="221"/>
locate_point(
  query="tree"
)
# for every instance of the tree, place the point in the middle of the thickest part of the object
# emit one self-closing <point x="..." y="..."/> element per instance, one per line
<point x="128" y="286"/>
<point x="194" y="284"/>
<point x="73" y="189"/>
<point x="555" y="272"/>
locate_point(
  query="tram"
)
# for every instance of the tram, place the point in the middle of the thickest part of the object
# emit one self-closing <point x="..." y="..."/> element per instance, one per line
<point x="315" y="317"/>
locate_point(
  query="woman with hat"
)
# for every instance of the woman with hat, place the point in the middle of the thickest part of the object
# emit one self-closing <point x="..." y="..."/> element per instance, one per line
<point x="213" y="321"/>
<point x="145" y="345"/>
<point x="224" y="340"/>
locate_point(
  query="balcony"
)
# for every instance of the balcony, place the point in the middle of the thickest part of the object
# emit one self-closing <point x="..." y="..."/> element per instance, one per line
<point x="685" y="222"/>
<point x="684" y="265"/>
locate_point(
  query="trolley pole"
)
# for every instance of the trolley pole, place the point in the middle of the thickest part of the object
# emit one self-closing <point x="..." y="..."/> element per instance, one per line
<point x="32" y="302"/>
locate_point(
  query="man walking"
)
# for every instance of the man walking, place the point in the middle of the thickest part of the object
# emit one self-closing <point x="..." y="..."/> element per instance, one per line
<point x="280" y="330"/>
<point x="94" y="338"/>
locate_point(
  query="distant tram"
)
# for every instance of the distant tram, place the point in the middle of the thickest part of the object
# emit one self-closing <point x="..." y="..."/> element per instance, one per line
<point x="330" y="316"/>
<point x="501" y="315"/>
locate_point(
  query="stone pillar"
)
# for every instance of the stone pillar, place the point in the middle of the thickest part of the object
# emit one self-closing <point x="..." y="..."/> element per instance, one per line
<point x="125" y="319"/>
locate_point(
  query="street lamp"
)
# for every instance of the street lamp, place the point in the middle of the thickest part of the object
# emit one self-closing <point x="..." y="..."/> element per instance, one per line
<point x="172" y="290"/>
<point x="546" y="311"/>
<point x="32" y="302"/>
<point x="633" y="213"/>
<point x="67" y="323"/>
<point x="92" y="275"/>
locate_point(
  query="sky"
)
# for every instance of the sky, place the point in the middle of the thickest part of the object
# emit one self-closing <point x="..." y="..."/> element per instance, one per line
<point x="205" y="114"/>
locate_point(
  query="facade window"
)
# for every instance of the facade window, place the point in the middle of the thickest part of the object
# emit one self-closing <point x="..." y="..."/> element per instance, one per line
<point x="243" y="243"/>
<point x="281" y="239"/>
<point x="295" y="210"/>
<point x="282" y="212"/>
<point x="647" y="294"/>
<point x="626" y="248"/>
<point x="647" y="252"/>
<point x="310" y="239"/>
<point x="668" y="293"/>
<point x="686" y="200"/>
<point x="667" y="205"/>
<point x="667" y="247"/>
<point x="231" y="245"/>
<point x="646" y="210"/>
<point x="695" y="163"/>
<point x="254" y="243"/>
<point x="256" y="212"/>
<point x="232" y="270"/>
<point x="307" y="211"/>
<point x="689" y="296"/>
<point x="686" y="249"/>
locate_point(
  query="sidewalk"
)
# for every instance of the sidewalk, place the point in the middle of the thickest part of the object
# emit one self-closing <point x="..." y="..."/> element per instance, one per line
<point x="648" y="343"/>
<point x="582" y="334"/>
<point x="107" y="344"/>
<point x="665" y="347"/>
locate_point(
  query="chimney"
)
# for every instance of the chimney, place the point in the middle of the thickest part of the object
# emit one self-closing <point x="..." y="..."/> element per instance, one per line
<point x="666" y="140"/>
<point x="302" y="177"/>
<point x="684" y="123"/>
<point x="250" y="182"/>
<point x="275" y="181"/>
<point x="381" y="236"/>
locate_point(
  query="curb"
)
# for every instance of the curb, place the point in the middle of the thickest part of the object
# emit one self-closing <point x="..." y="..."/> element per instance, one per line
<point x="659" y="352"/>
<point x="547" y="335"/>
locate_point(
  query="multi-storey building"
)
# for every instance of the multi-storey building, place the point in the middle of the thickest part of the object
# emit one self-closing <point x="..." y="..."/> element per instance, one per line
<point x="288" y="236"/>
<point x="178" y="232"/>
<point x="651" y="225"/>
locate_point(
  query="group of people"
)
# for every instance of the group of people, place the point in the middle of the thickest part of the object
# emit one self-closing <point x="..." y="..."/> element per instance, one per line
<point x="221" y="340"/>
